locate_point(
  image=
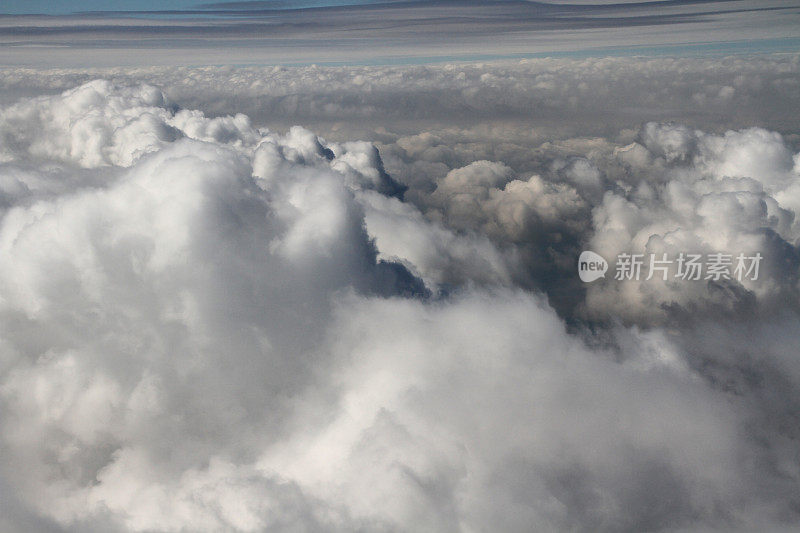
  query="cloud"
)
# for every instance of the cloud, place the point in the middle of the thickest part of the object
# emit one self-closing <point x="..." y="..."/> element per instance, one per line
<point x="704" y="194"/>
<point x="490" y="106"/>
<point x="206" y="324"/>
<point x="98" y="124"/>
<point x="468" y="397"/>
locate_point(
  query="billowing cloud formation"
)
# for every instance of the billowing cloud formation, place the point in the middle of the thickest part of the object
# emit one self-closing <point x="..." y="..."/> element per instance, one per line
<point x="733" y="193"/>
<point x="98" y="125"/>
<point x="206" y="325"/>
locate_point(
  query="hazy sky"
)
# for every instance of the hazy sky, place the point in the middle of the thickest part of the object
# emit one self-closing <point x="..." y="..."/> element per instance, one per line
<point x="60" y="7"/>
<point x="270" y="32"/>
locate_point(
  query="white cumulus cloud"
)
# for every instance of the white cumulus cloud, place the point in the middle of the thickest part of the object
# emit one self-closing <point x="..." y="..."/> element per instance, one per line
<point x="209" y="325"/>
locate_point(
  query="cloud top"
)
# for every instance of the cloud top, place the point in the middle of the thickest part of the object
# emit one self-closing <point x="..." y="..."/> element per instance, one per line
<point x="209" y="325"/>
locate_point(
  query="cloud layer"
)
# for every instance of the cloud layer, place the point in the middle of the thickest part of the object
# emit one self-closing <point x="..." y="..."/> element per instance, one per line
<point x="207" y="325"/>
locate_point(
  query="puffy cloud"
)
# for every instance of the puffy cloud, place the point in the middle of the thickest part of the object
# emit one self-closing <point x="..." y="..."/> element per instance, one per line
<point x="176" y="303"/>
<point x="99" y="124"/>
<point x="439" y="256"/>
<point x="443" y="405"/>
<point x="483" y="195"/>
<point x="703" y="193"/>
<point x="208" y="325"/>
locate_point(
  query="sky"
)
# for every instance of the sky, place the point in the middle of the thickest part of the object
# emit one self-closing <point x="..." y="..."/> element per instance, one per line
<point x="62" y="7"/>
<point x="66" y="6"/>
<point x="393" y="32"/>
